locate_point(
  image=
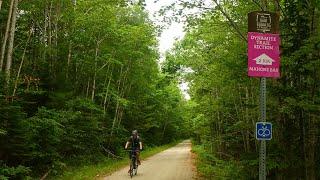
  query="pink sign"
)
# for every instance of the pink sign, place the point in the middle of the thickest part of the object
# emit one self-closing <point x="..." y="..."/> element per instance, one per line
<point x="263" y="55"/>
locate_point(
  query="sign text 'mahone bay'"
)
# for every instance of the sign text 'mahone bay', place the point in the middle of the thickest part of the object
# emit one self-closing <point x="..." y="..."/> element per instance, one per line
<point x="263" y="55"/>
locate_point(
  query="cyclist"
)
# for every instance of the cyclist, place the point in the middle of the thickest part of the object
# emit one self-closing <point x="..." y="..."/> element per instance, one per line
<point x="136" y="144"/>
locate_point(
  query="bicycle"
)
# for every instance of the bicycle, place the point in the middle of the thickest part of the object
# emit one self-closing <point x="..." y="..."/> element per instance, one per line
<point x="133" y="163"/>
<point x="264" y="132"/>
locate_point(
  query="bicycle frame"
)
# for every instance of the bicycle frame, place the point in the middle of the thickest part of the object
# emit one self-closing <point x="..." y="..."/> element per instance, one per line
<point x="133" y="163"/>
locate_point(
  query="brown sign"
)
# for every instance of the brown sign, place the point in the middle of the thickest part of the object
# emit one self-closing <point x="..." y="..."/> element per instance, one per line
<point x="263" y="22"/>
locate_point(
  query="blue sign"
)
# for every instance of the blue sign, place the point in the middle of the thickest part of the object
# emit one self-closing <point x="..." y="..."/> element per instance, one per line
<point x="263" y="131"/>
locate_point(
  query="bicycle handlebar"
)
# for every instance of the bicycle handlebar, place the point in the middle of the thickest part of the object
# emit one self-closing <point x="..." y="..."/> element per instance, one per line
<point x="132" y="150"/>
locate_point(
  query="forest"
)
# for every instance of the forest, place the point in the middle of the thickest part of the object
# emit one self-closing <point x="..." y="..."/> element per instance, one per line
<point x="77" y="76"/>
<point x="224" y="104"/>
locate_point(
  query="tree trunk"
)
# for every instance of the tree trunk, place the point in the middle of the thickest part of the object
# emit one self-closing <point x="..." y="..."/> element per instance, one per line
<point x="88" y="87"/>
<point x="45" y="36"/>
<point x="122" y="108"/>
<point x="56" y="24"/>
<point x="311" y="150"/>
<point x="69" y="60"/>
<point x="164" y="131"/>
<point x="303" y="142"/>
<point x="105" y="81"/>
<point x="4" y="44"/>
<point x="247" y="120"/>
<point x="95" y="73"/>
<point x="49" y="38"/>
<point x="123" y="90"/>
<point x="107" y="91"/>
<point x="219" y="132"/>
<point x="120" y="116"/>
<point x="11" y="40"/>
<point x="21" y="64"/>
<point x="115" y="119"/>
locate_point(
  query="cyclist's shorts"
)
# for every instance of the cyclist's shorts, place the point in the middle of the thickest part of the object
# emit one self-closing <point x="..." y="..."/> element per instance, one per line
<point x="129" y="153"/>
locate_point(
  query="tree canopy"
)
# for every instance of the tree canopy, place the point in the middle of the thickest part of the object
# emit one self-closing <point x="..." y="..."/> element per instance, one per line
<point x="225" y="101"/>
<point x="76" y="78"/>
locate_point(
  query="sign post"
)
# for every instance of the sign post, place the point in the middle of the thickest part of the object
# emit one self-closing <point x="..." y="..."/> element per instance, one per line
<point x="263" y="145"/>
<point x="263" y="62"/>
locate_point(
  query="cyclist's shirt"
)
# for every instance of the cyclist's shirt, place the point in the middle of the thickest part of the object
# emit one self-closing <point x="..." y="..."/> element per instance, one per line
<point x="135" y="142"/>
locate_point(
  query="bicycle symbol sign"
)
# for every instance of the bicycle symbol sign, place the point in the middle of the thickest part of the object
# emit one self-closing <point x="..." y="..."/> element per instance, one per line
<point x="263" y="131"/>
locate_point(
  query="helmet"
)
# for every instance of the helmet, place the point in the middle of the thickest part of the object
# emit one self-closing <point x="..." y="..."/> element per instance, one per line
<point x="134" y="132"/>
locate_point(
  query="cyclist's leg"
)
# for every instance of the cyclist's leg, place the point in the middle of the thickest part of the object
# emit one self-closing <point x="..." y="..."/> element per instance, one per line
<point x="130" y="167"/>
<point x="130" y="162"/>
<point x="129" y="171"/>
<point x="138" y="157"/>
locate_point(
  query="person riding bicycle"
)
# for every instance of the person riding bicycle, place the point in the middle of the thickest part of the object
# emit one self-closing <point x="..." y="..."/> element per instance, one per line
<point x="136" y="144"/>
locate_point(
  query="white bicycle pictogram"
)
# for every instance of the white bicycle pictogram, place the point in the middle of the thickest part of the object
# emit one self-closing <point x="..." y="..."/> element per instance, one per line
<point x="264" y="132"/>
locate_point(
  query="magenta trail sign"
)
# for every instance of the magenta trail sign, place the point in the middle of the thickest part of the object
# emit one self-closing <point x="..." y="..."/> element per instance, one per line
<point x="263" y="55"/>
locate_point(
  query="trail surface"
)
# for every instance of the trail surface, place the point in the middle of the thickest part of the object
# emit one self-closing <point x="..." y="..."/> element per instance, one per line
<point x="172" y="164"/>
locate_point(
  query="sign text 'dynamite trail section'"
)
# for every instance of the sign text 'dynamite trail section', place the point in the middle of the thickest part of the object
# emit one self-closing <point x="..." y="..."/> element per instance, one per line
<point x="263" y="55"/>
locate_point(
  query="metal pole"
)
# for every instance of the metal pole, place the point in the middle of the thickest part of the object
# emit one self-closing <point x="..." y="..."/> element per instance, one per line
<point x="263" y="149"/>
<point x="264" y="5"/>
<point x="263" y="100"/>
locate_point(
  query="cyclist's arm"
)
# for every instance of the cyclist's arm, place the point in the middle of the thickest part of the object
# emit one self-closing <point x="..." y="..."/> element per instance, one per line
<point x="140" y="143"/>
<point x="127" y="144"/>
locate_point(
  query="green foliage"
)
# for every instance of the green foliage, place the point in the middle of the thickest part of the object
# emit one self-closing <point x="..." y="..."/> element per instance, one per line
<point x="212" y="58"/>
<point x="89" y="75"/>
<point x="19" y="172"/>
<point x="210" y="167"/>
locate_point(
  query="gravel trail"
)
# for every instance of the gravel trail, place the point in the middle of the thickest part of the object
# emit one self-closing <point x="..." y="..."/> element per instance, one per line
<point x="172" y="164"/>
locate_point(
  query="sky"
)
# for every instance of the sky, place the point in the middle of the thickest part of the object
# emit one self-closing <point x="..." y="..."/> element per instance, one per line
<point x="169" y="35"/>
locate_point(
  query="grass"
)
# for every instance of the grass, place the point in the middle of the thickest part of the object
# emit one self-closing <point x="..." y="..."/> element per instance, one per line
<point x="199" y="161"/>
<point x="211" y="167"/>
<point x="106" y="166"/>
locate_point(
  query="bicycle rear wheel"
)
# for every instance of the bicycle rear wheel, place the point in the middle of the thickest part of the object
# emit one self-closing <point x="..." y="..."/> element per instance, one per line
<point x="136" y="170"/>
<point x="131" y="170"/>
<point x="133" y="166"/>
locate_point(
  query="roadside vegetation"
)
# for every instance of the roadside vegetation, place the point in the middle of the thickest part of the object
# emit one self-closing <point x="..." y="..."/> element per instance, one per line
<point x="224" y="105"/>
<point x="76" y="77"/>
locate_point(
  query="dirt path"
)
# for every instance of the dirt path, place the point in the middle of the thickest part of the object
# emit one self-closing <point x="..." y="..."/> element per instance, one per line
<point x="172" y="164"/>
